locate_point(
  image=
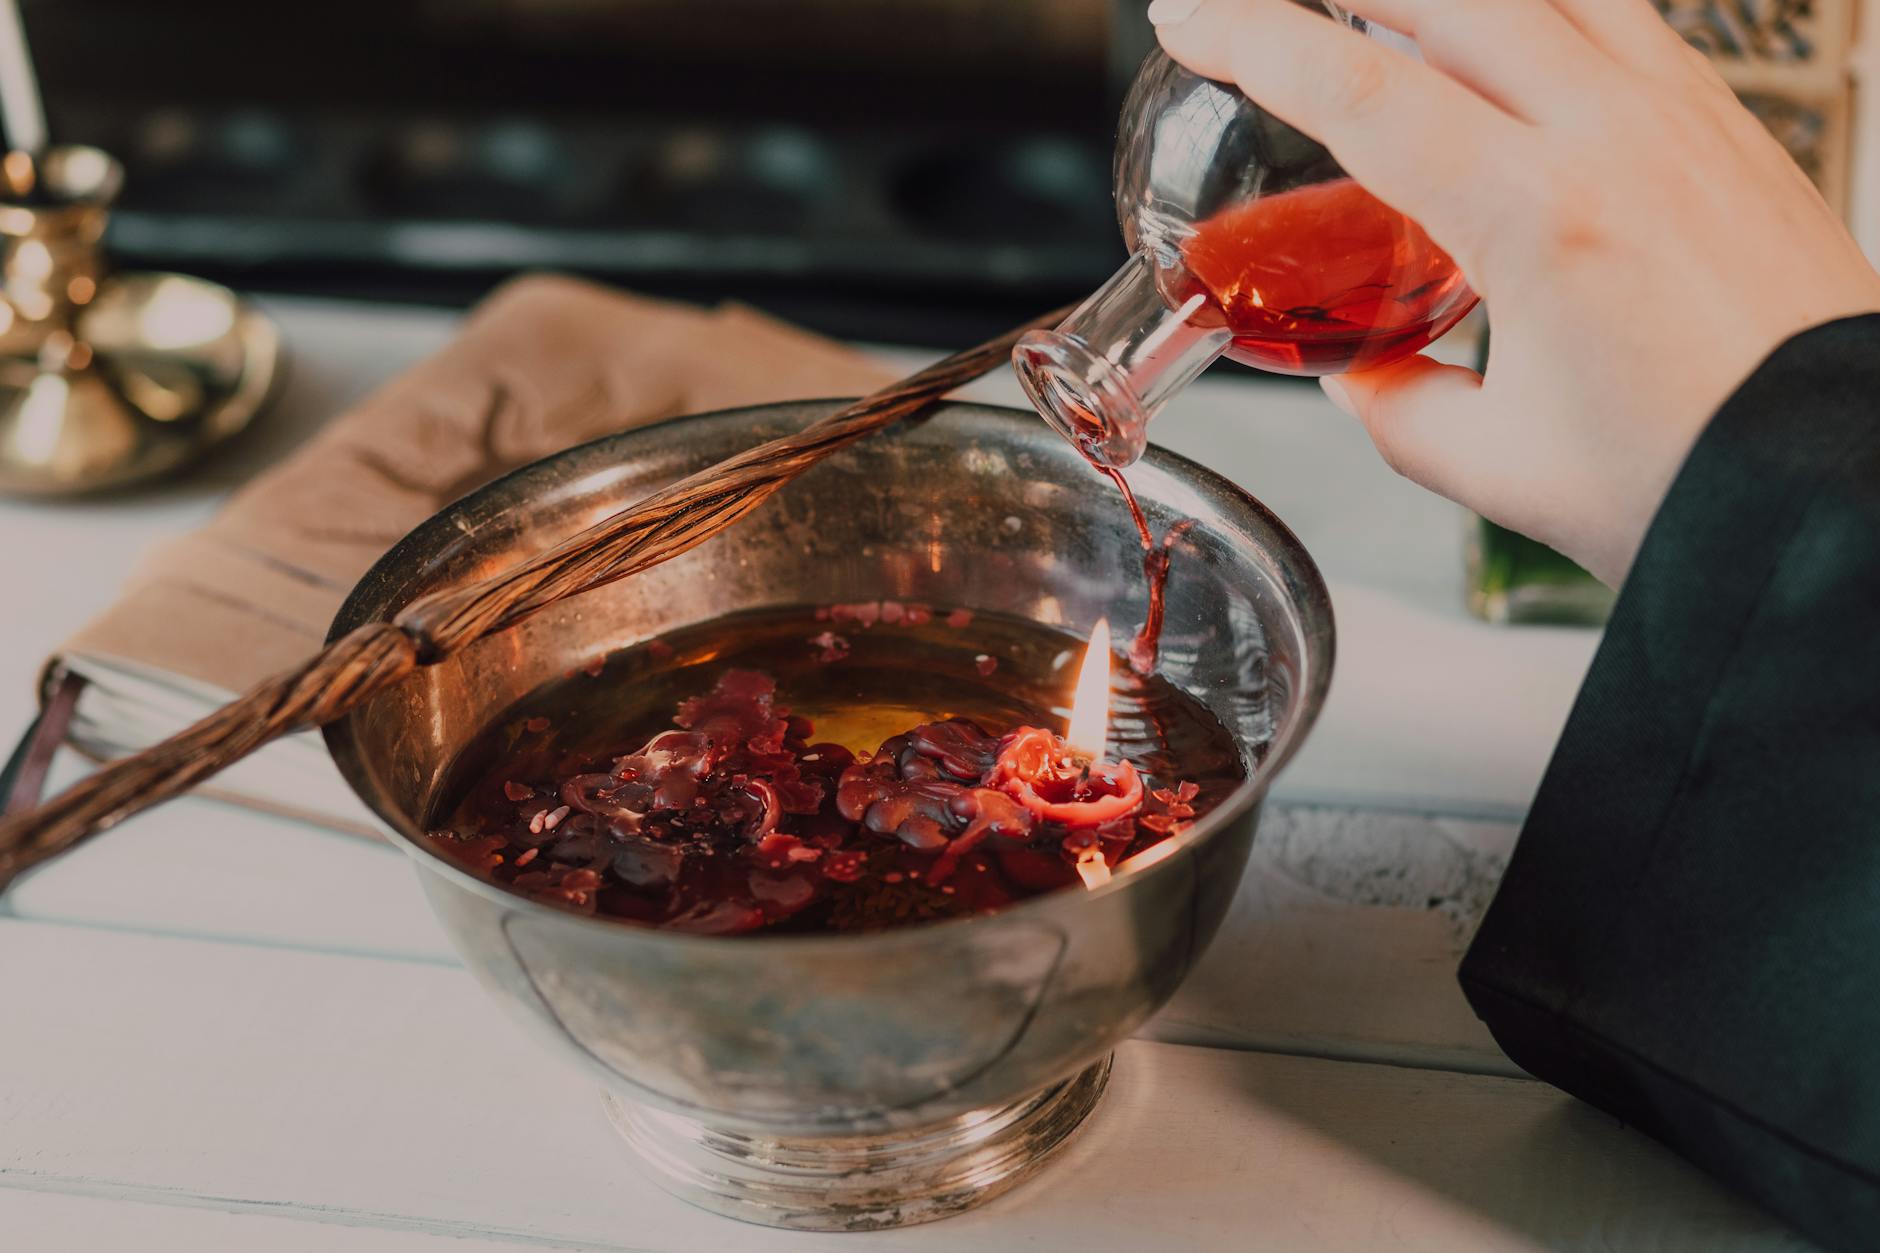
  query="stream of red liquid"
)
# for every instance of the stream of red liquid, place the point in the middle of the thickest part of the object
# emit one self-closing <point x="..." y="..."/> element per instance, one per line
<point x="1317" y="280"/>
<point x="1147" y="646"/>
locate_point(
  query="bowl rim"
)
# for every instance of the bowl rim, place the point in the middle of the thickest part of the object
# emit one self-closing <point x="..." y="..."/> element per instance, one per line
<point x="1311" y="599"/>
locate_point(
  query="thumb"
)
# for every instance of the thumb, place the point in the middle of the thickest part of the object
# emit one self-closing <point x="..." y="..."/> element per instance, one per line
<point x="1427" y="421"/>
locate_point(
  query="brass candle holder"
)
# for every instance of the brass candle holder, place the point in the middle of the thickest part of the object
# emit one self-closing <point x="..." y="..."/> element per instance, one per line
<point x="107" y="379"/>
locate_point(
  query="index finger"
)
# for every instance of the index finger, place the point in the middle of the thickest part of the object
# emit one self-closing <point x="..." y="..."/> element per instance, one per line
<point x="1414" y="137"/>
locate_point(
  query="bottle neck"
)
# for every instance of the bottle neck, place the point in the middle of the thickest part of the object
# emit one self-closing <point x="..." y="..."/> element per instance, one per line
<point x="1103" y="373"/>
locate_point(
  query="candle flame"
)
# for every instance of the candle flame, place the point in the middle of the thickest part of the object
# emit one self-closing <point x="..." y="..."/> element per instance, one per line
<point x="1090" y="705"/>
<point x="1094" y="870"/>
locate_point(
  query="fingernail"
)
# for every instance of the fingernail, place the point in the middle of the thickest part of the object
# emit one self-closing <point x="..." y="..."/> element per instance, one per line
<point x="1169" y="12"/>
<point x="1340" y="395"/>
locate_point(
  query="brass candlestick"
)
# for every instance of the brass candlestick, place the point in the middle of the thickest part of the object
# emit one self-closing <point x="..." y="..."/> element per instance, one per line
<point x="106" y="379"/>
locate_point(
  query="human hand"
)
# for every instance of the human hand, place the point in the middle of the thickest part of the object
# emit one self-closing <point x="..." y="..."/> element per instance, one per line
<point x="1641" y="239"/>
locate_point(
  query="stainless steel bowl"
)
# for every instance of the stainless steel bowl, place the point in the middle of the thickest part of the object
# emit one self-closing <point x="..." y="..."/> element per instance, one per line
<point x="855" y="1081"/>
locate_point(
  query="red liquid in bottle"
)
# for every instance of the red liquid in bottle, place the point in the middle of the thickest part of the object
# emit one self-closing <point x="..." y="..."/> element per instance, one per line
<point x="1325" y="279"/>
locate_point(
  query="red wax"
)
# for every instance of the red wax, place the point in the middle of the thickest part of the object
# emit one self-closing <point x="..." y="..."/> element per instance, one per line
<point x="1039" y="771"/>
<point x="1325" y="279"/>
<point x="737" y="821"/>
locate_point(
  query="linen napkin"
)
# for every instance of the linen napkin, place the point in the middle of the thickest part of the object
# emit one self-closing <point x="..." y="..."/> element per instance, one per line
<point x="543" y="363"/>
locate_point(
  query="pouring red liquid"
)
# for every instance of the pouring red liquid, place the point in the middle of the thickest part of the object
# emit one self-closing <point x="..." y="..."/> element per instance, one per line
<point x="1248" y="240"/>
<point x="1323" y="279"/>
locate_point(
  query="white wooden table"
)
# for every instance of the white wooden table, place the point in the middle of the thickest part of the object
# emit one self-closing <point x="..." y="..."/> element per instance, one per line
<point x="224" y="1031"/>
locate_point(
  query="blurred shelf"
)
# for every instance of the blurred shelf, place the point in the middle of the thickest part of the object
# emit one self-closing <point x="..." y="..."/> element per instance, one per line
<point x="911" y="234"/>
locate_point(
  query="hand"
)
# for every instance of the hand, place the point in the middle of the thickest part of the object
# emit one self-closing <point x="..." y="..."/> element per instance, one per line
<point x="1642" y="240"/>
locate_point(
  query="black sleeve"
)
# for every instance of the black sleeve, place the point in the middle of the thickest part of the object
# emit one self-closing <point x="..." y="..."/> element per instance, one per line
<point x="1688" y="935"/>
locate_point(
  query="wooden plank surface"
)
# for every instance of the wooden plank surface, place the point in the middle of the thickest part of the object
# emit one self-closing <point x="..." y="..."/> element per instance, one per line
<point x="83" y="1222"/>
<point x="224" y="1030"/>
<point x="354" y="1092"/>
<point x="1342" y="941"/>
<point x="203" y="868"/>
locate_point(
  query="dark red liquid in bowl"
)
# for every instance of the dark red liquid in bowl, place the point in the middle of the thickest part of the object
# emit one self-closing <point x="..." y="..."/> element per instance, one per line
<point x="714" y="781"/>
<point x="1324" y="279"/>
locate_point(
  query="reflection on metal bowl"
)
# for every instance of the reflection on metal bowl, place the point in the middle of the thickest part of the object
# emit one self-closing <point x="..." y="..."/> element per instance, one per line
<point x="854" y="1081"/>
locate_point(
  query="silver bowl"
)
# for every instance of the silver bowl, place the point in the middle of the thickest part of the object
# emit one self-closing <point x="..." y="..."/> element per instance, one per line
<point x="854" y="1081"/>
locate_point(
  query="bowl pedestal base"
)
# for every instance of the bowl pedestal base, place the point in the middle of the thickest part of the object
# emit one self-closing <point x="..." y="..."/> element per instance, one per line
<point x="858" y="1183"/>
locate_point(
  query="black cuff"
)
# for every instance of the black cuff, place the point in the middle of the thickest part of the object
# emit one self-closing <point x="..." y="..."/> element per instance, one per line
<point x="1689" y="932"/>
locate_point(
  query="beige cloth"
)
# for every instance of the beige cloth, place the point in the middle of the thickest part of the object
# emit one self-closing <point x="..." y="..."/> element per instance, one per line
<point x="543" y="363"/>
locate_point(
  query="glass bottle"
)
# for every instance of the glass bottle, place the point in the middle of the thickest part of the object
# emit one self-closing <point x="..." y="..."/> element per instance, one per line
<point x="1246" y="239"/>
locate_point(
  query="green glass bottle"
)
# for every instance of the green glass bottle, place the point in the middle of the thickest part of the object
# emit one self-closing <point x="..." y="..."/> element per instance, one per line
<point x="1515" y="579"/>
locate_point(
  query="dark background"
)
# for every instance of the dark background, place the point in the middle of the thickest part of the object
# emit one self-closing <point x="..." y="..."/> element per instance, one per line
<point x="923" y="171"/>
